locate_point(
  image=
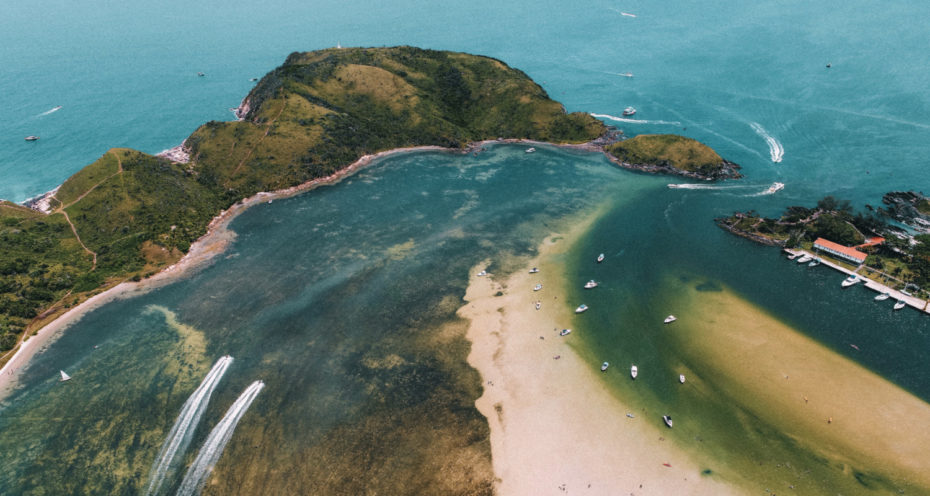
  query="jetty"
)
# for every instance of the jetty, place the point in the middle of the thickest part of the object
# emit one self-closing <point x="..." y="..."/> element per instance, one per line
<point x="911" y="301"/>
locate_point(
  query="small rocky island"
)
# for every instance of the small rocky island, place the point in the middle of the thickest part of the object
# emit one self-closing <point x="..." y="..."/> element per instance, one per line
<point x="672" y="154"/>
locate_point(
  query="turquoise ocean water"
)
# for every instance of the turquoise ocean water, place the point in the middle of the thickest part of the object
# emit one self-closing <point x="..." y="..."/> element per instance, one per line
<point x="749" y="80"/>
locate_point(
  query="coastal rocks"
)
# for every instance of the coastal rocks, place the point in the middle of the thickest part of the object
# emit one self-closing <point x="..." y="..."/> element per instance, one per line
<point x="731" y="224"/>
<point x="42" y="203"/>
<point x="179" y="154"/>
<point x="909" y="207"/>
<point x="727" y="170"/>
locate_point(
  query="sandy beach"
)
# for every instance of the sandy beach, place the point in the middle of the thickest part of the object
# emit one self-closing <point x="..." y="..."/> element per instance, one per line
<point x="555" y="427"/>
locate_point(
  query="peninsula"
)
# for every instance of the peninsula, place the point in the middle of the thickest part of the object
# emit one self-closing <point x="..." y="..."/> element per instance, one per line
<point x="129" y="215"/>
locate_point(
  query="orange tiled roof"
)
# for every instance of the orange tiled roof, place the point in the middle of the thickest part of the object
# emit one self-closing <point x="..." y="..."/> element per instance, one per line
<point x="845" y="250"/>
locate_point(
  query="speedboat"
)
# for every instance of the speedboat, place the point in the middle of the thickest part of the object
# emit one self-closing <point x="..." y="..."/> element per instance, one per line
<point x="590" y="284"/>
<point x="804" y="259"/>
<point x="634" y="371"/>
<point x="581" y="308"/>
<point x="670" y="319"/>
<point x="31" y="138"/>
<point x="64" y="376"/>
<point x="565" y="332"/>
<point x="849" y="281"/>
<point x="530" y="150"/>
<point x="600" y="258"/>
<point x="482" y="273"/>
<point x="882" y="297"/>
<point x="668" y="420"/>
<point x="604" y="366"/>
<point x="900" y="304"/>
<point x="627" y="74"/>
<point x="629" y="111"/>
<point x="815" y="262"/>
<point x="537" y="287"/>
<point x="200" y="74"/>
<point x="534" y="270"/>
<point x="681" y="378"/>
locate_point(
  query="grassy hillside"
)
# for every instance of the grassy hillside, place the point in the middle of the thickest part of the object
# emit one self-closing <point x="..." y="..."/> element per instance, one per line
<point x="133" y="213"/>
<point x="682" y="153"/>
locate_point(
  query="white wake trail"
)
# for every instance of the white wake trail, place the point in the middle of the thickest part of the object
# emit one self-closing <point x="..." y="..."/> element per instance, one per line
<point x="705" y="186"/>
<point x="775" y="149"/>
<point x="56" y="109"/>
<point x="183" y="430"/>
<point x="633" y="121"/>
<point x="212" y="449"/>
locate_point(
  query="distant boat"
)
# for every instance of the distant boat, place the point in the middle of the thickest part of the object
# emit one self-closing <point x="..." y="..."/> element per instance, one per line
<point x="882" y="297"/>
<point x="668" y="420"/>
<point x="670" y="319"/>
<point x="681" y="378"/>
<point x="626" y="74"/>
<point x="806" y="258"/>
<point x="900" y="304"/>
<point x="530" y="150"/>
<point x="600" y="258"/>
<point x="534" y="270"/>
<point x="581" y="308"/>
<point x="64" y="376"/>
<point x="629" y="111"/>
<point x="634" y="371"/>
<point x="200" y="74"/>
<point x="31" y="138"/>
<point x="627" y="14"/>
<point x="482" y="273"/>
<point x="774" y="188"/>
<point x="253" y="79"/>
<point x="590" y="284"/>
<point x="604" y="366"/>
<point x="849" y="281"/>
<point x="537" y="287"/>
<point x="628" y="414"/>
<point x="815" y="262"/>
<point x="565" y="332"/>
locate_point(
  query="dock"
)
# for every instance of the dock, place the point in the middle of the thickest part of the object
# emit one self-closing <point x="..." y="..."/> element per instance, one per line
<point x="911" y="301"/>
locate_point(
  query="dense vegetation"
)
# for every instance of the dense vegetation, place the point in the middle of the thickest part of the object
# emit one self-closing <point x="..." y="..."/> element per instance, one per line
<point x="669" y="150"/>
<point x="903" y="257"/>
<point x="319" y="112"/>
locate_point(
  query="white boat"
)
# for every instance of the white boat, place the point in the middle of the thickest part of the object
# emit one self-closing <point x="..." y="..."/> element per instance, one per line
<point x="804" y="259"/>
<point x="534" y="270"/>
<point x="31" y="138"/>
<point x="670" y="319"/>
<point x="882" y="297"/>
<point x="600" y="258"/>
<point x="629" y="111"/>
<point x="815" y="262"/>
<point x="604" y="366"/>
<point x="793" y="256"/>
<point x="634" y="371"/>
<point x="537" y="287"/>
<point x="628" y="414"/>
<point x="681" y="378"/>
<point x="590" y="284"/>
<point x="849" y="281"/>
<point x="774" y="188"/>
<point x="627" y="74"/>
<point x="482" y="273"/>
<point x="200" y="74"/>
<point x="581" y="308"/>
<point x="900" y="304"/>
<point x="565" y="332"/>
<point x="530" y="150"/>
<point x="64" y="376"/>
<point x="668" y="420"/>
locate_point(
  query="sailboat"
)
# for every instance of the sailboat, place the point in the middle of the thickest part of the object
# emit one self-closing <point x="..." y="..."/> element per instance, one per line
<point x="64" y="376"/>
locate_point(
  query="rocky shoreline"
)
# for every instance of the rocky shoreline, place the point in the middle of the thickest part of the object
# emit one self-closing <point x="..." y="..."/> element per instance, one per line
<point x="903" y="206"/>
<point x="729" y="170"/>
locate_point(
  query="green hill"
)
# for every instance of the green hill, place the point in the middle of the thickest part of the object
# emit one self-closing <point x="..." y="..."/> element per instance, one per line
<point x="129" y="214"/>
<point x="673" y="154"/>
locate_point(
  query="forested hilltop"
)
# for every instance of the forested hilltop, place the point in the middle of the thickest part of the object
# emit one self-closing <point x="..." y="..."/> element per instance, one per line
<point x="130" y="214"/>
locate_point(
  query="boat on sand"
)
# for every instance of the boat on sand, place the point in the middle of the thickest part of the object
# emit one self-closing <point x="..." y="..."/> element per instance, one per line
<point x="668" y="420"/>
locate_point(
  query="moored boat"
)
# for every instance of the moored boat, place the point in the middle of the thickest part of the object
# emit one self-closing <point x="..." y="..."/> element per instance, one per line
<point x="604" y="366"/>
<point x="882" y="297"/>
<point x="537" y="287"/>
<point x="668" y="420"/>
<point x="530" y="150"/>
<point x="534" y="270"/>
<point x="538" y="305"/>
<point x="804" y="259"/>
<point x="581" y="308"/>
<point x="480" y="274"/>
<point x="793" y="256"/>
<point x="681" y="378"/>
<point x="815" y="262"/>
<point x="600" y="258"/>
<point x="31" y="138"/>
<point x="634" y="371"/>
<point x="565" y="332"/>
<point x="900" y="304"/>
<point x="590" y="284"/>
<point x="670" y="319"/>
<point x="849" y="281"/>
<point x="64" y="376"/>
